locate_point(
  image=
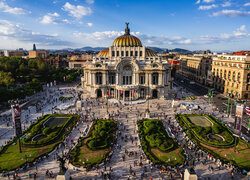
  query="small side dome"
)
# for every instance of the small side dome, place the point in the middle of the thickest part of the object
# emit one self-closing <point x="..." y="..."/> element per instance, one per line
<point x="104" y="53"/>
<point x="150" y="52"/>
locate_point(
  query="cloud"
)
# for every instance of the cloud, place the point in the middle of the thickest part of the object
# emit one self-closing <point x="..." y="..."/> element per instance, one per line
<point x="15" y="32"/>
<point x="198" y="2"/>
<point x="77" y="11"/>
<point x="242" y="28"/>
<point x="247" y="4"/>
<point x="208" y="1"/>
<point x="109" y="36"/>
<point x="240" y="33"/>
<point x="90" y="24"/>
<point x="90" y="1"/>
<point x="226" y="4"/>
<point x="207" y="7"/>
<point x="50" y="18"/>
<point x="231" y="13"/>
<point x="6" y="8"/>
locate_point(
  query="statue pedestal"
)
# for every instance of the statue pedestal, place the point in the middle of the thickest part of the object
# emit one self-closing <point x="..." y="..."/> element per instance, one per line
<point x="65" y="176"/>
<point x="147" y="115"/>
<point x="190" y="175"/>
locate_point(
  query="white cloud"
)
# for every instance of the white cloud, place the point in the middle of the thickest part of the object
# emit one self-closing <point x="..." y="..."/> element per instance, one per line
<point x="242" y="28"/>
<point x="47" y="20"/>
<point x="207" y="7"/>
<point x="226" y="4"/>
<point x="231" y="13"/>
<point x="110" y="36"/>
<point x="6" y="8"/>
<point x="240" y="33"/>
<point x="247" y="4"/>
<point x="50" y="18"/>
<point x="77" y="11"/>
<point x="90" y="24"/>
<point x="208" y="1"/>
<point x="16" y="33"/>
<point x="198" y="2"/>
<point x="90" y="1"/>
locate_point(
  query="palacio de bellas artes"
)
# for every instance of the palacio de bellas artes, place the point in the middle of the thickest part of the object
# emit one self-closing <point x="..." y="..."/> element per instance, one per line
<point x="127" y="71"/>
<point x="125" y="90"/>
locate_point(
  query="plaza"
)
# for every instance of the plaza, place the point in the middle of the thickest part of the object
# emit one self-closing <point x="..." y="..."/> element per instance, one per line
<point x="127" y="158"/>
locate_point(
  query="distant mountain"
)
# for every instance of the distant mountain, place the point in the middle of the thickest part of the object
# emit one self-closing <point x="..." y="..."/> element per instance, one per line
<point x="88" y="48"/>
<point x="179" y="50"/>
<point x="156" y="49"/>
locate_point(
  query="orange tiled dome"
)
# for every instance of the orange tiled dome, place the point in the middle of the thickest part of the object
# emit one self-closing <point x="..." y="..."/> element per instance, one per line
<point x="150" y="52"/>
<point x="104" y="53"/>
<point x="127" y="40"/>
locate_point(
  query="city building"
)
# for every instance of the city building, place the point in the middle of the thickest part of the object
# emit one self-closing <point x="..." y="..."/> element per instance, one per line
<point x="196" y="67"/>
<point x="78" y="61"/>
<point x="58" y="62"/>
<point x="231" y="75"/>
<point x="38" y="53"/>
<point x="127" y="71"/>
<point x="8" y="53"/>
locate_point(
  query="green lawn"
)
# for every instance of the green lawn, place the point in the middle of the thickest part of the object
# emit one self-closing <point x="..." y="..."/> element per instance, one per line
<point x="200" y="121"/>
<point x="11" y="158"/>
<point x="94" y="148"/>
<point x="156" y="144"/>
<point x="223" y="150"/>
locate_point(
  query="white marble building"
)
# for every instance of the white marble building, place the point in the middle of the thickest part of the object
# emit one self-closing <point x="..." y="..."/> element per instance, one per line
<point x="127" y="71"/>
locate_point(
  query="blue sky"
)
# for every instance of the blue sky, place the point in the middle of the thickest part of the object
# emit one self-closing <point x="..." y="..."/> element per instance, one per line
<point x="191" y="24"/>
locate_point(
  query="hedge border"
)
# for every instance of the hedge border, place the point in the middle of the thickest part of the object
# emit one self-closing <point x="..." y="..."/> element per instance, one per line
<point x="146" y="147"/>
<point x="215" y="155"/>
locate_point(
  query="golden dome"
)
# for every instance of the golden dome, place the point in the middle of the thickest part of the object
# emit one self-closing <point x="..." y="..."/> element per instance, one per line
<point x="150" y="52"/>
<point x="127" y="40"/>
<point x="104" y="52"/>
<point x="74" y="58"/>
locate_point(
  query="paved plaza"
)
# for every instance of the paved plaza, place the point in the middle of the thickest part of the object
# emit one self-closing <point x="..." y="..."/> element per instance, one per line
<point x="128" y="160"/>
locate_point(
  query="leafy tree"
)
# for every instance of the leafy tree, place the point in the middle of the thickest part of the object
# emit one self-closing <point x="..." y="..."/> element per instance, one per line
<point x="6" y="78"/>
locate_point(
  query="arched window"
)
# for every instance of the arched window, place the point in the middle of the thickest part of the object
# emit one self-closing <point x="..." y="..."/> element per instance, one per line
<point x="127" y="75"/>
<point x="233" y="76"/>
<point x="221" y="73"/>
<point x="239" y="76"/>
<point x="229" y="74"/>
<point x="98" y="65"/>
<point x="225" y="74"/>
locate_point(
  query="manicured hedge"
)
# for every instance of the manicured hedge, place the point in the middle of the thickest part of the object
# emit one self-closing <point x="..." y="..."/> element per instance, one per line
<point x="193" y="137"/>
<point x="54" y="133"/>
<point x="102" y="135"/>
<point x="201" y="132"/>
<point x="153" y="135"/>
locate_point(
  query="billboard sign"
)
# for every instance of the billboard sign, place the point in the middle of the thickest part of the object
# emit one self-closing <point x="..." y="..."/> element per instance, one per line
<point x="238" y="119"/>
<point x="16" y="117"/>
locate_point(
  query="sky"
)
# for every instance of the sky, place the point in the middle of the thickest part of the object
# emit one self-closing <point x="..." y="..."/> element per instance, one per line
<point x="218" y="25"/>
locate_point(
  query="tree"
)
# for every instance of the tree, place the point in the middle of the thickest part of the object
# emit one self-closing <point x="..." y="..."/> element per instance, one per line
<point x="6" y="79"/>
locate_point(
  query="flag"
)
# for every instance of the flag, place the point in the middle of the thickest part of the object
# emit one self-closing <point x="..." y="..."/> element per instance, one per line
<point x="121" y="92"/>
<point x="107" y="91"/>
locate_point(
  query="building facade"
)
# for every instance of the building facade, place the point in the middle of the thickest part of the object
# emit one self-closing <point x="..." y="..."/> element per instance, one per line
<point x="197" y="67"/>
<point x="78" y="61"/>
<point x="127" y="71"/>
<point x="39" y="53"/>
<point x="231" y="75"/>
